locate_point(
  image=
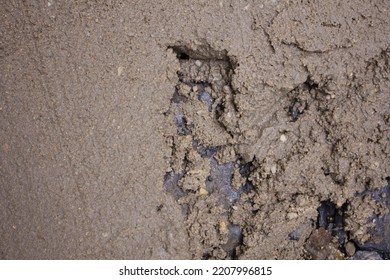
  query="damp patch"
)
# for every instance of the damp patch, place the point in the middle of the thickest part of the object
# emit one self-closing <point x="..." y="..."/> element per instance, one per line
<point x="234" y="208"/>
<point x="206" y="175"/>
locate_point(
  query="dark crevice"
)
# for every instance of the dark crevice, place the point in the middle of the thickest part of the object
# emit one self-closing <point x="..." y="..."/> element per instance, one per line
<point x="177" y="97"/>
<point x="331" y="218"/>
<point x="181" y="124"/>
<point x="300" y="98"/>
<point x="310" y="84"/>
<point x="182" y="55"/>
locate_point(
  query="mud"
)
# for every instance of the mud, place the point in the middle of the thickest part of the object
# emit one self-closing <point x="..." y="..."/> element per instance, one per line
<point x="205" y="130"/>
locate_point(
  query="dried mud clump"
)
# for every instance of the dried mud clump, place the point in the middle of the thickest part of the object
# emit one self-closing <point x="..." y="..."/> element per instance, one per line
<point x="276" y="178"/>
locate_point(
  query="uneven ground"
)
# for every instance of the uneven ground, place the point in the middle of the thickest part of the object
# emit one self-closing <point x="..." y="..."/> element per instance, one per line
<point x="177" y="130"/>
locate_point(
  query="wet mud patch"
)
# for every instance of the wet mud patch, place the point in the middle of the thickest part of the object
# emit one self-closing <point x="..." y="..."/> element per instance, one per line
<point x="206" y="175"/>
<point x="280" y="186"/>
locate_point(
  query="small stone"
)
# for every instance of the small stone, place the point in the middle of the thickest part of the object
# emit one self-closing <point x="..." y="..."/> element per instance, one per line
<point x="223" y="229"/>
<point x="283" y="138"/>
<point x="120" y="70"/>
<point x="339" y="203"/>
<point x="292" y="216"/>
<point x="273" y="168"/>
<point x="217" y="77"/>
<point x="200" y="113"/>
<point x="198" y="63"/>
<point x="321" y="246"/>
<point x="226" y="89"/>
<point x="350" y="249"/>
<point x="184" y="89"/>
<point x="359" y="232"/>
<point x="203" y="191"/>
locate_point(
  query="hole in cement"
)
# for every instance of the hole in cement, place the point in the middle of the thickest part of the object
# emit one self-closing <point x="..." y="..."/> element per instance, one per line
<point x="183" y="55"/>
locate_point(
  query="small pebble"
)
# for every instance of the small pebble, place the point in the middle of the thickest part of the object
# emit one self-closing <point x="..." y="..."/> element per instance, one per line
<point x="203" y="191"/>
<point x="350" y="249"/>
<point x="198" y="63"/>
<point x="120" y="70"/>
<point x="226" y="89"/>
<point x="283" y="138"/>
<point x="223" y="229"/>
<point x="292" y="216"/>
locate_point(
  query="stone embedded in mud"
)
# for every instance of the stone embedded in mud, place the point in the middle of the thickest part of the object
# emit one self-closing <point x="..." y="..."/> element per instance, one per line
<point x="350" y="248"/>
<point x="223" y="229"/>
<point x="203" y="191"/>
<point x="292" y="216"/>
<point x="302" y="231"/>
<point x="321" y="246"/>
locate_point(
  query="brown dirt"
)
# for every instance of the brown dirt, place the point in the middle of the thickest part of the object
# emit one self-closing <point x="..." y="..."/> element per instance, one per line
<point x="212" y="129"/>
